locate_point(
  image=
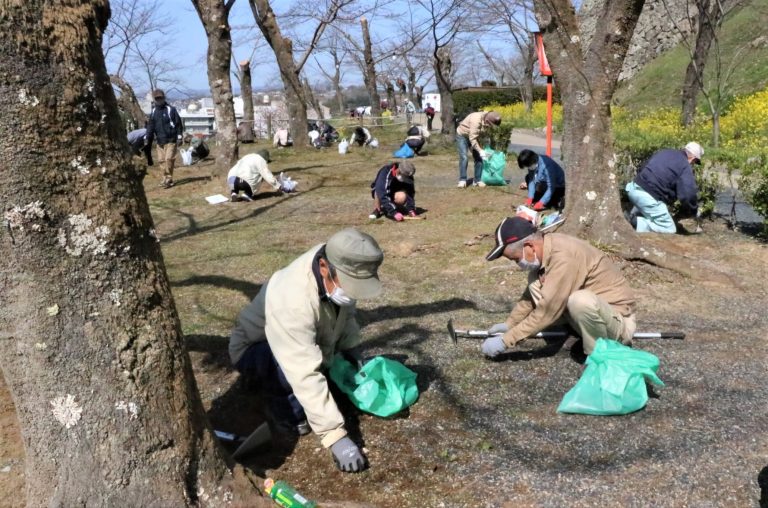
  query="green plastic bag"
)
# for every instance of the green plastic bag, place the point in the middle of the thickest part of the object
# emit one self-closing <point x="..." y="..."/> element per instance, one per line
<point x="382" y="387"/>
<point x="613" y="382"/>
<point x="493" y="168"/>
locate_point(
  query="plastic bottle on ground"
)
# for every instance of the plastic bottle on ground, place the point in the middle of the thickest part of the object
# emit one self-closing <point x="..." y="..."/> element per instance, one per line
<point x="285" y="495"/>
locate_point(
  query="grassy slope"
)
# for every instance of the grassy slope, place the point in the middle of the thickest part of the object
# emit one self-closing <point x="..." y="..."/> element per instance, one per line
<point x="658" y="84"/>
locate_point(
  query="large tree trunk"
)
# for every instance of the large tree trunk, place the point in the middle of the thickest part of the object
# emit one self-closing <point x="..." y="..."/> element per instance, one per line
<point x="694" y="73"/>
<point x="294" y="88"/>
<point x="246" y="92"/>
<point x="215" y="17"/>
<point x="128" y="103"/>
<point x="90" y="341"/>
<point x="442" y="63"/>
<point x="526" y="80"/>
<point x="369" y="74"/>
<point x="587" y="80"/>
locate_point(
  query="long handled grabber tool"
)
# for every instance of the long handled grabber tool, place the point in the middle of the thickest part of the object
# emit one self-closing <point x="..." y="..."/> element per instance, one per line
<point x="247" y="444"/>
<point x="483" y="334"/>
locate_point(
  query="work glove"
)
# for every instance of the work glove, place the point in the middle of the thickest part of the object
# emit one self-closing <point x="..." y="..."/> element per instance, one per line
<point x="398" y="216"/>
<point x="493" y="346"/>
<point x="484" y="155"/>
<point x="539" y="206"/>
<point x="412" y="213"/>
<point x="348" y="456"/>
<point x="529" y="202"/>
<point x="354" y="355"/>
<point x="498" y="328"/>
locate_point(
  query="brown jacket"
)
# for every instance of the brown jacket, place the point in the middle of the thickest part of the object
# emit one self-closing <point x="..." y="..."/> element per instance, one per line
<point x="471" y="127"/>
<point x="568" y="265"/>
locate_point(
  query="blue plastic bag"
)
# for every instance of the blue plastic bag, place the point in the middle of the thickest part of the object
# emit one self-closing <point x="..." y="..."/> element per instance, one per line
<point x="382" y="387"/>
<point x="493" y="168"/>
<point x="404" y="152"/>
<point x="613" y="382"/>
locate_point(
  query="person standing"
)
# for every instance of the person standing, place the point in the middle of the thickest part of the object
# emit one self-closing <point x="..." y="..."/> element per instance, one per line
<point x="666" y="177"/>
<point x="468" y="139"/>
<point x="285" y="340"/>
<point x="545" y="180"/>
<point x="430" y="112"/>
<point x="393" y="191"/>
<point x="569" y="281"/>
<point x="165" y="129"/>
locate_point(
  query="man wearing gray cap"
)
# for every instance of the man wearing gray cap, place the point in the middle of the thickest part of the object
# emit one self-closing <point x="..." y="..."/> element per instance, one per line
<point x="286" y="338"/>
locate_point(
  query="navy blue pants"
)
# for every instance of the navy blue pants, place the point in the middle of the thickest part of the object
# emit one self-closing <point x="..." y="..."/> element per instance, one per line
<point x="261" y="371"/>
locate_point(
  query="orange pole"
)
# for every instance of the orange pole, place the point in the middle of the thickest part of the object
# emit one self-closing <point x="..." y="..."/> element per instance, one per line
<point x="549" y="116"/>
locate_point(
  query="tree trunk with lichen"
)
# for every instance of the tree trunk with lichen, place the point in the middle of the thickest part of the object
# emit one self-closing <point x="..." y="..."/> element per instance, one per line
<point x="587" y="79"/>
<point x="90" y="341"/>
<point x="442" y="64"/>
<point x="369" y="72"/>
<point x="246" y="92"/>
<point x="128" y="103"/>
<point x="214" y="15"/>
<point x="294" y="87"/>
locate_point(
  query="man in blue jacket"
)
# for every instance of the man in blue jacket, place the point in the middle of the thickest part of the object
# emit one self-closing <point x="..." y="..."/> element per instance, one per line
<point x="665" y="178"/>
<point x="166" y="129"/>
<point x="393" y="191"/>
<point x="545" y="180"/>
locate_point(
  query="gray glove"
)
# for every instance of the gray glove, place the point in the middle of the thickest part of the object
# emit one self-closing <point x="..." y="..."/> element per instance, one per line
<point x="498" y="328"/>
<point x="348" y="456"/>
<point x="493" y="346"/>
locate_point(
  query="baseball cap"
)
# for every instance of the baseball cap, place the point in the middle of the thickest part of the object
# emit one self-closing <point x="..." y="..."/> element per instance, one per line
<point x="264" y="154"/>
<point x="158" y="94"/>
<point x="510" y="230"/>
<point x="356" y="257"/>
<point x="695" y="150"/>
<point x="406" y="170"/>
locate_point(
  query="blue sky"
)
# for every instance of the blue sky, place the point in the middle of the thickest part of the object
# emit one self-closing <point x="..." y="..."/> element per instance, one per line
<point x="185" y="49"/>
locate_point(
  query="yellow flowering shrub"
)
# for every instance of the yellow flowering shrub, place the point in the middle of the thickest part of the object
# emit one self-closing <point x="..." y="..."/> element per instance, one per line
<point x="516" y="115"/>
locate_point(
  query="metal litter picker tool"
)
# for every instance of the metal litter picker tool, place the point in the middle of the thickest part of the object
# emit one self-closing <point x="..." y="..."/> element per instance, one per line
<point x="454" y="334"/>
<point x="258" y="438"/>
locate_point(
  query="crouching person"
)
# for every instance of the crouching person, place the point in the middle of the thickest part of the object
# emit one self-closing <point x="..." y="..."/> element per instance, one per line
<point x="569" y="281"/>
<point x="394" y="191"/>
<point x="248" y="173"/>
<point x="286" y="338"/>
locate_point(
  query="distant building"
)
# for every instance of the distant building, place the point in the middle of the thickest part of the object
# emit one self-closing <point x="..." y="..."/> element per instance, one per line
<point x="433" y="99"/>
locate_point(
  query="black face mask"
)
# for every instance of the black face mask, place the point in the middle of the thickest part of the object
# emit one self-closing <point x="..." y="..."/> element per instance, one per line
<point x="160" y="101"/>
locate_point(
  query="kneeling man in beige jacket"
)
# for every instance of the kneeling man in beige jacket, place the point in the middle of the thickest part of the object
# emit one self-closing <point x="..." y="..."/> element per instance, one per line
<point x="286" y="338"/>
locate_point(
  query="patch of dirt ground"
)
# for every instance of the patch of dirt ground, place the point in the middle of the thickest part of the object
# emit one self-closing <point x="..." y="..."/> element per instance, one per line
<point x="483" y="433"/>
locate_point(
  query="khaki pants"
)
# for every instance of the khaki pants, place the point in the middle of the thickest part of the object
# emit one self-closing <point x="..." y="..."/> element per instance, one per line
<point x="166" y="157"/>
<point x="591" y="317"/>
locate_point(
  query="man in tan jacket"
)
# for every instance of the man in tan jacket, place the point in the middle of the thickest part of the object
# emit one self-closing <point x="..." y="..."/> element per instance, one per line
<point x="468" y="139"/>
<point x="286" y="338"/>
<point x="569" y="281"/>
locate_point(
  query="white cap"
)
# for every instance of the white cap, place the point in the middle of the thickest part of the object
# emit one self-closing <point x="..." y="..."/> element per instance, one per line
<point x="694" y="150"/>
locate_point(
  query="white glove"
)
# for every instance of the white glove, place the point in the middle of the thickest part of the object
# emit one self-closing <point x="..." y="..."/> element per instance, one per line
<point x="484" y="155"/>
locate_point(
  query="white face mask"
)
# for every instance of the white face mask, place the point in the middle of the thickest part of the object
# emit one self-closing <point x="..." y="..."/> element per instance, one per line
<point x="339" y="297"/>
<point x="526" y="265"/>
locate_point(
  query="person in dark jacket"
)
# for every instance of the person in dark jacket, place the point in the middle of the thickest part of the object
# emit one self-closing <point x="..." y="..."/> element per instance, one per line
<point x="165" y="128"/>
<point x="417" y="137"/>
<point x="545" y="180"/>
<point x="430" y="112"/>
<point x="394" y="192"/>
<point x="138" y="141"/>
<point x="665" y="178"/>
<point x="361" y="136"/>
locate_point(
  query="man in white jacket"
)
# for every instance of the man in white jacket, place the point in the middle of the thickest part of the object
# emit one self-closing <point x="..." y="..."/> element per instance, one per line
<point x="248" y="173"/>
<point x="286" y="338"/>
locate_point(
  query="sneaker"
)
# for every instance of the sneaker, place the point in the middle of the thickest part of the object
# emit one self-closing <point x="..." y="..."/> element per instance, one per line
<point x="478" y="184"/>
<point x="234" y="197"/>
<point x="375" y="214"/>
<point x="167" y="184"/>
<point x="462" y="184"/>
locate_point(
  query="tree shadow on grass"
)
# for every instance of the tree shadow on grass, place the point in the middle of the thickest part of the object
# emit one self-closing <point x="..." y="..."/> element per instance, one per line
<point x="762" y="481"/>
<point x="247" y="288"/>
<point x="366" y="317"/>
<point x="190" y="179"/>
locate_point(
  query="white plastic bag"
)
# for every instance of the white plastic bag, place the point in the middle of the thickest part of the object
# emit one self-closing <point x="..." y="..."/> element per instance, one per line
<point x="286" y="184"/>
<point x="343" y="146"/>
<point x="186" y="156"/>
